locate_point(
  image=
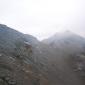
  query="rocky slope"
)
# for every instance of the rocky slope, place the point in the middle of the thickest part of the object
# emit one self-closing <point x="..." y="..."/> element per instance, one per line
<point x="59" y="60"/>
<point x="17" y="66"/>
<point x="68" y="58"/>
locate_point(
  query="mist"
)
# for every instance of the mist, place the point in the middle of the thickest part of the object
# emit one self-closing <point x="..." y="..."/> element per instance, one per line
<point x="44" y="18"/>
<point x="42" y="42"/>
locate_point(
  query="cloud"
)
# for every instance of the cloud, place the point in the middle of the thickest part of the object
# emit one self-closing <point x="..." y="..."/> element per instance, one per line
<point x="42" y="18"/>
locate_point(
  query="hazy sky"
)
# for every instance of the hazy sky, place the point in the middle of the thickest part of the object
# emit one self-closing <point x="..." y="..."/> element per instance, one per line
<point x="43" y="18"/>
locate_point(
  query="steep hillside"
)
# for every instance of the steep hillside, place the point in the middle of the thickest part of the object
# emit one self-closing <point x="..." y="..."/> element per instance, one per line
<point x="67" y="62"/>
<point x="59" y="60"/>
<point x="17" y="66"/>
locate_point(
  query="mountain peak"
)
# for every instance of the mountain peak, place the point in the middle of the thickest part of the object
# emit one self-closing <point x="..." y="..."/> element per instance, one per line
<point x="68" y="31"/>
<point x="64" y="36"/>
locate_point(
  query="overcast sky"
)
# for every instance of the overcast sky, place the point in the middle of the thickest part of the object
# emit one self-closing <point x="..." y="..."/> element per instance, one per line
<point x="43" y="18"/>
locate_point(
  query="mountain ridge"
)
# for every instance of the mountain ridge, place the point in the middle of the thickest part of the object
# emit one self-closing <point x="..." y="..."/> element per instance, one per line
<point x="59" y="60"/>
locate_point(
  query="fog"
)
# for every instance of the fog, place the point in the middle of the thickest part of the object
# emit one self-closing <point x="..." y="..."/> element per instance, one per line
<point x="43" y="18"/>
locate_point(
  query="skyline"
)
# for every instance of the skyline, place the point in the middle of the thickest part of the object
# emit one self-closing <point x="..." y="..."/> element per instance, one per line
<point x="44" y="18"/>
